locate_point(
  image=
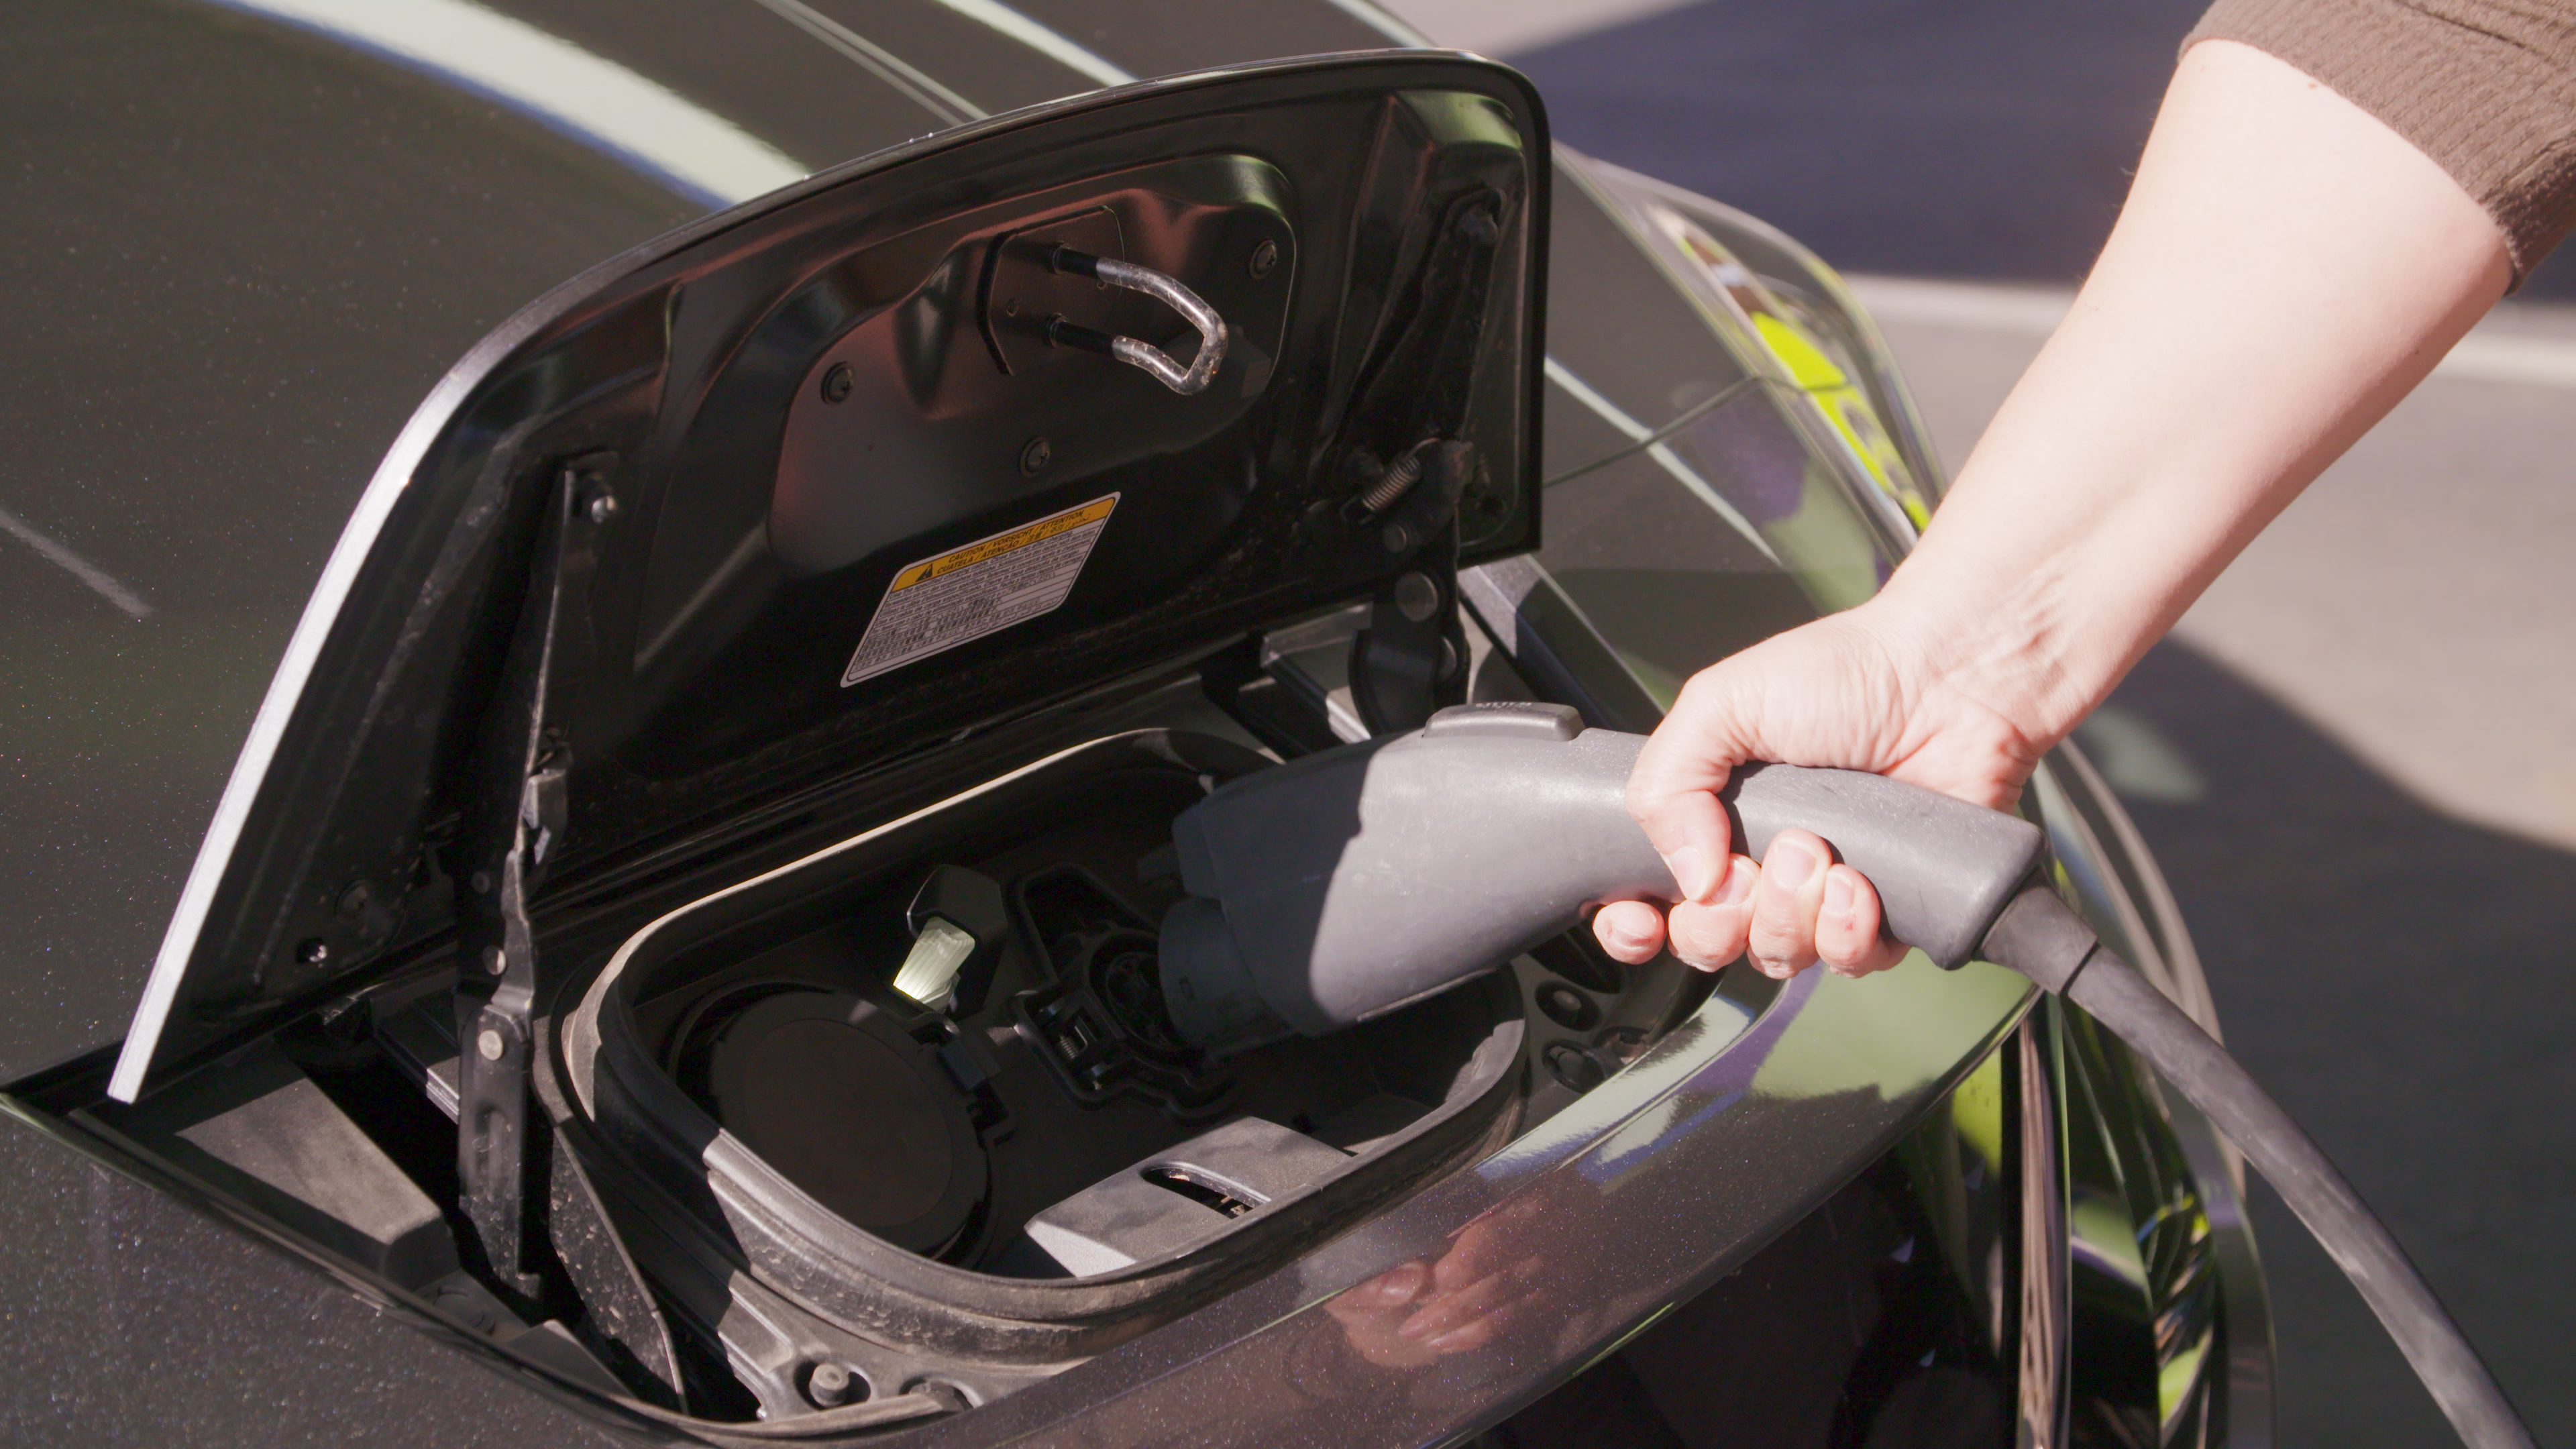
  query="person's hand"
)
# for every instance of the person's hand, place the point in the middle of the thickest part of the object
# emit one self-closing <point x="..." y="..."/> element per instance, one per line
<point x="2285" y="269"/>
<point x="1855" y="690"/>
<point x="1416" y="1312"/>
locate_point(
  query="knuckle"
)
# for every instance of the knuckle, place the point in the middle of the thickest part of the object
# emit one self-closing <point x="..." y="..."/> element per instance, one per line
<point x="1772" y="944"/>
<point x="1709" y="955"/>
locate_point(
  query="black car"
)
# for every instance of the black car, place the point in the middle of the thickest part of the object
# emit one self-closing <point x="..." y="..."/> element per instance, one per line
<point x="672" y="952"/>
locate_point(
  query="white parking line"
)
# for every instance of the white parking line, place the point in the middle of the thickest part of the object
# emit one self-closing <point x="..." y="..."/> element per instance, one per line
<point x="80" y="568"/>
<point x="2500" y="349"/>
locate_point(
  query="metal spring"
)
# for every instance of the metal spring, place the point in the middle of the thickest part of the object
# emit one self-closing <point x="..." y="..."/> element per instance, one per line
<point x="1399" y="480"/>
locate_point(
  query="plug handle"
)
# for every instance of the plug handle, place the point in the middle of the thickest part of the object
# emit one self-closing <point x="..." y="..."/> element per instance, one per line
<point x="1349" y="883"/>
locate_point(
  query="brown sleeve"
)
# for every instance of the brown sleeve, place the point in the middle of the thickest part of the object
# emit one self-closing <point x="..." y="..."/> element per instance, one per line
<point x="2487" y="88"/>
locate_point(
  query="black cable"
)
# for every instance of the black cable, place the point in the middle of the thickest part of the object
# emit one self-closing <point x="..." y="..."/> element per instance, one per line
<point x="2043" y="939"/>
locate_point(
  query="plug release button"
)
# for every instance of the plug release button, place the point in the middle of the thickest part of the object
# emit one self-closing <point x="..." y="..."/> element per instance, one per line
<point x="1510" y="718"/>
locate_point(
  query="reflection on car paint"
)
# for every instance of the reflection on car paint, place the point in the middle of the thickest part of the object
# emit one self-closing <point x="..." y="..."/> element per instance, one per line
<point x="1563" y="1251"/>
<point x="1770" y="336"/>
<point x="1669" y="586"/>
<point x="1624" y="330"/>
<point x="2145" y="1279"/>
<point x="1915" y="1249"/>
<point x="1049" y="43"/>
<point x="950" y="107"/>
<point x="1609" y="412"/>
<point x="55" y="551"/>
<point x="1712" y="1089"/>
<point x="595" y="101"/>
<point x="1803" y="353"/>
<point x="1720" y="1026"/>
<point x="2145" y="1258"/>
<point x="1758" y="445"/>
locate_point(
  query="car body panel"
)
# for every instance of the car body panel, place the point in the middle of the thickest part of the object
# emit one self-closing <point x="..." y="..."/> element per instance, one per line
<point x="237" y="373"/>
<point x="680" y="370"/>
<point x="136" y="1318"/>
<point x="1814" y="1088"/>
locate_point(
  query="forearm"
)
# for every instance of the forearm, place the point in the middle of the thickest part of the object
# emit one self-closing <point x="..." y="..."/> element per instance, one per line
<point x="2285" y="270"/>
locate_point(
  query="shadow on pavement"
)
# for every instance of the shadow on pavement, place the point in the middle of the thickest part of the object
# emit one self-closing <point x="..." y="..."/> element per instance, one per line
<point x="2401" y="981"/>
<point x="1990" y="139"/>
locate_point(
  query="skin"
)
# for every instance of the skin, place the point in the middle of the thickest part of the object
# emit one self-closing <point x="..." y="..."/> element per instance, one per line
<point x="2285" y="270"/>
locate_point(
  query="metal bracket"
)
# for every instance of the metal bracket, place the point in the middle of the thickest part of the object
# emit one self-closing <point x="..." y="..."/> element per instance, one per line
<point x="1412" y="658"/>
<point x="522" y="778"/>
<point x="1136" y="352"/>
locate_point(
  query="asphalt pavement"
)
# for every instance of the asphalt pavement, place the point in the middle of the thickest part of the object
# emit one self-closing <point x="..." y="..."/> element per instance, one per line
<point x="2356" y="759"/>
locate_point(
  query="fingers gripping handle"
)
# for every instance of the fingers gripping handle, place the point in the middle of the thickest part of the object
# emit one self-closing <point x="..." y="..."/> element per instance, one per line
<point x="1944" y="869"/>
<point x="1351" y="882"/>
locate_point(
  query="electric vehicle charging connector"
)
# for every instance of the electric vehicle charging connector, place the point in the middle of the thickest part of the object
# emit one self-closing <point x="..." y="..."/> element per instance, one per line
<point x="1352" y="882"/>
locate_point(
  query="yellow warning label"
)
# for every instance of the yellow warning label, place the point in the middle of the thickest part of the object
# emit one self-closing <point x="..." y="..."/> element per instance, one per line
<point x="966" y="593"/>
<point x="972" y="554"/>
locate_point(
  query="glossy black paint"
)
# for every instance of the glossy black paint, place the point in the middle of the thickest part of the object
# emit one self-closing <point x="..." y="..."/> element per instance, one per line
<point x="135" y="1318"/>
<point x="1919" y="1346"/>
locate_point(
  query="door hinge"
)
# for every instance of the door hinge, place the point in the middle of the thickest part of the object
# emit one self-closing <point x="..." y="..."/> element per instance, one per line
<point x="516" y="821"/>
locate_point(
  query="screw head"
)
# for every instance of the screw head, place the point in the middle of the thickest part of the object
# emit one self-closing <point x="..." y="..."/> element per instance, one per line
<point x="1265" y="260"/>
<point x="838" y="380"/>
<point x="1578" y="1070"/>
<point x="828" y="1385"/>
<point x="464" y="1306"/>
<point x="493" y="961"/>
<point x="1397" y="538"/>
<point x="1567" y="1007"/>
<point x="489" y="1045"/>
<point x="1416" y="597"/>
<point x="1035" y="455"/>
<point x="603" y="506"/>
<point x="481" y="881"/>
